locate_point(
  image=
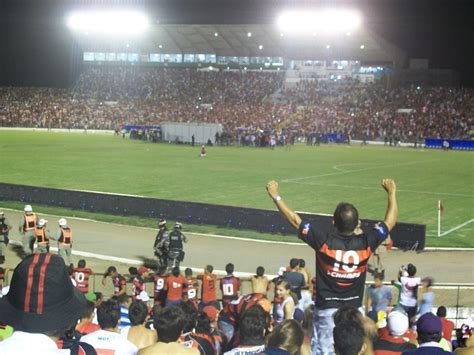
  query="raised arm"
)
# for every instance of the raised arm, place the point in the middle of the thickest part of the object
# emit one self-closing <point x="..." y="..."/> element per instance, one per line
<point x="391" y="215"/>
<point x="289" y="214"/>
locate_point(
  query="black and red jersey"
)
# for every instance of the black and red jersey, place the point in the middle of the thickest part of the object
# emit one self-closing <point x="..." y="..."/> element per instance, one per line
<point x="119" y="283"/>
<point x="202" y="342"/>
<point x="159" y="290"/>
<point x="138" y="285"/>
<point x="341" y="262"/>
<point x="230" y="286"/>
<point x="233" y="310"/>
<point x="81" y="276"/>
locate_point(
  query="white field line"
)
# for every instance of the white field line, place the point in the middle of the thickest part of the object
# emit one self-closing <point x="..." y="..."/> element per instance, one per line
<point x="342" y="172"/>
<point x="452" y="229"/>
<point x="229" y="237"/>
<point x="378" y="189"/>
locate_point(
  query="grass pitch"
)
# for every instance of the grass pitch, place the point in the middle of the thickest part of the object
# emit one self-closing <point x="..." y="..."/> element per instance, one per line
<point x="312" y="179"/>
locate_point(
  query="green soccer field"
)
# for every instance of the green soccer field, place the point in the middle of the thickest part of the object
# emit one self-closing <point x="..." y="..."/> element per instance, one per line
<point x="312" y="179"/>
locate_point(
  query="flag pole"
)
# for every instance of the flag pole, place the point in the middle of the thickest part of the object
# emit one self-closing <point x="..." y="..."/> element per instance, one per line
<point x="439" y="218"/>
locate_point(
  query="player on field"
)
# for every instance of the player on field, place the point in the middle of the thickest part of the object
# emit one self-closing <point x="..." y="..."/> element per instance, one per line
<point x="342" y="253"/>
<point x="81" y="275"/>
<point x="230" y="285"/>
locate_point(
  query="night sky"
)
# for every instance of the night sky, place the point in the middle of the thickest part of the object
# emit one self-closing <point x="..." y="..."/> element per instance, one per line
<point x="440" y="30"/>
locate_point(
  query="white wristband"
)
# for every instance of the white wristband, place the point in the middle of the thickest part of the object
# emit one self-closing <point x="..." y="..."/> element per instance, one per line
<point x="278" y="198"/>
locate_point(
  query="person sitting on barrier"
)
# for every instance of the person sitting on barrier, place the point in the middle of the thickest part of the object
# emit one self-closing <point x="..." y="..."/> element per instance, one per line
<point x="260" y="283"/>
<point x="118" y="280"/>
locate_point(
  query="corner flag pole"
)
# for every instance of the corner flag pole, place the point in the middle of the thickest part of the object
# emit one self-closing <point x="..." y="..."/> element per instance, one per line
<point x="440" y="206"/>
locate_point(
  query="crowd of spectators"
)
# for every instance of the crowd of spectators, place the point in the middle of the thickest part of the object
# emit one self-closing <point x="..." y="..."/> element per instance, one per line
<point x="244" y="102"/>
<point x="274" y="318"/>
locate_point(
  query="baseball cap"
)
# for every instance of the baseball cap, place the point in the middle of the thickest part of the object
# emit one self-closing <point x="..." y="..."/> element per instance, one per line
<point x="397" y="322"/>
<point x="41" y="296"/>
<point x="212" y="312"/>
<point x="428" y="324"/>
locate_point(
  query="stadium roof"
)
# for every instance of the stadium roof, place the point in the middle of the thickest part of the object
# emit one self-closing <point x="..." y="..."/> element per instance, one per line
<point x="234" y="40"/>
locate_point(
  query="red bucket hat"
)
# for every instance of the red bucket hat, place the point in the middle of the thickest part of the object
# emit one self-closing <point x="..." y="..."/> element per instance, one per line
<point x="41" y="296"/>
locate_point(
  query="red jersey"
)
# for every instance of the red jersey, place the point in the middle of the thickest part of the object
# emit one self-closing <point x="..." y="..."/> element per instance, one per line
<point x="119" y="283"/>
<point x="447" y="327"/>
<point x="174" y="285"/>
<point x="209" y="290"/>
<point x="87" y="328"/>
<point x="159" y="288"/>
<point x="230" y="286"/>
<point x="232" y="311"/>
<point x="138" y="285"/>
<point x="81" y="276"/>
<point x="190" y="290"/>
<point x="202" y="342"/>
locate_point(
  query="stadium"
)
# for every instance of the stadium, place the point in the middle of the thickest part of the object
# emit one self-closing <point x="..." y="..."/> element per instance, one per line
<point x="116" y="115"/>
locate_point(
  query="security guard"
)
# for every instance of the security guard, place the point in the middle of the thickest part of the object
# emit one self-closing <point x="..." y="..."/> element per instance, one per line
<point x="175" y="246"/>
<point x="4" y="230"/>
<point x="64" y="239"/>
<point x="160" y="246"/>
<point x="42" y="237"/>
<point x="27" y="228"/>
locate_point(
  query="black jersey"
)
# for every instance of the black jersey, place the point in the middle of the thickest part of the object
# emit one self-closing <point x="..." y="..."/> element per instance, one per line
<point x="341" y="262"/>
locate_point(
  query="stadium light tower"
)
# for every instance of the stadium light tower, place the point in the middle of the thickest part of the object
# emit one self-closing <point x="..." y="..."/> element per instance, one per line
<point x="108" y="22"/>
<point x="316" y="21"/>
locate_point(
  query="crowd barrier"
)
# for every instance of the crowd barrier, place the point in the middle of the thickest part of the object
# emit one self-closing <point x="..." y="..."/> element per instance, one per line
<point x="404" y="235"/>
<point x="456" y="144"/>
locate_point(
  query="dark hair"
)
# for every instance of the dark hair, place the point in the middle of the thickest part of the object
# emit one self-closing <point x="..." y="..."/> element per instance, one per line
<point x="110" y="270"/>
<point x="188" y="272"/>
<point x="302" y="263"/>
<point x="70" y="269"/>
<point x="441" y="312"/>
<point x="137" y="312"/>
<point x="169" y="323"/>
<point x="411" y="269"/>
<point x="260" y="271"/>
<point x="81" y="263"/>
<point x="348" y="338"/>
<point x="161" y="270"/>
<point x="90" y="308"/>
<point x="346" y="217"/>
<point x="294" y="262"/>
<point x="288" y="336"/>
<point x="108" y="314"/>
<point x="209" y="268"/>
<point x="190" y="316"/>
<point x="132" y="270"/>
<point x="347" y="314"/>
<point x="229" y="268"/>
<point x="98" y="296"/>
<point x="427" y="337"/>
<point x="379" y="275"/>
<point x="123" y="298"/>
<point x="252" y="324"/>
<point x="175" y="271"/>
<point x="203" y="325"/>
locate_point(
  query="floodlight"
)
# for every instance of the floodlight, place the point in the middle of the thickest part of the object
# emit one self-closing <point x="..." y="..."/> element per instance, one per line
<point x="260" y="47"/>
<point x="108" y="22"/>
<point x="249" y="34"/>
<point x="328" y="46"/>
<point x="160" y="46"/>
<point x="362" y="46"/>
<point x="216" y="34"/>
<point x="326" y="20"/>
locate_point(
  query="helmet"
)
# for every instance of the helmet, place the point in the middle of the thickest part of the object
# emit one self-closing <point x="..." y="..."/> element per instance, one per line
<point x="178" y="225"/>
<point x="28" y="208"/>
<point x="62" y="222"/>
<point x="162" y="222"/>
<point x="42" y="222"/>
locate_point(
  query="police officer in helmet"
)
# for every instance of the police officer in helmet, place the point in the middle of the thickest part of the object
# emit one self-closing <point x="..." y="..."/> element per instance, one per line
<point x="176" y="239"/>
<point x="160" y="246"/>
